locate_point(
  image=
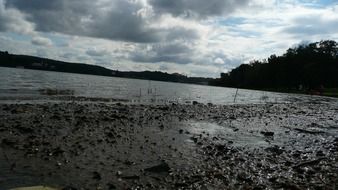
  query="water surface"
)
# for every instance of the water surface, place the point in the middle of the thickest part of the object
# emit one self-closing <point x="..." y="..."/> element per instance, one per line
<point x="24" y="83"/>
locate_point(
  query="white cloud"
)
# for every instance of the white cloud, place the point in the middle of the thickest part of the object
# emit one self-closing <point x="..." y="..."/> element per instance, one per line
<point x="219" y="61"/>
<point x="41" y="41"/>
<point x="13" y="20"/>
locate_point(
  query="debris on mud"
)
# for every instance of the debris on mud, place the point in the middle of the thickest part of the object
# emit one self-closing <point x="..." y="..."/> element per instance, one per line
<point x="82" y="145"/>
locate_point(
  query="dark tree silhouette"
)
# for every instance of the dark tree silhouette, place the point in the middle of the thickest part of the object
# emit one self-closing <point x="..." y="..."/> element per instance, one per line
<point x="310" y="66"/>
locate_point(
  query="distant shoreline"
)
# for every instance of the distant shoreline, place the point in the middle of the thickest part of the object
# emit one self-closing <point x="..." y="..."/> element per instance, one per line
<point x="44" y="64"/>
<point x="109" y="76"/>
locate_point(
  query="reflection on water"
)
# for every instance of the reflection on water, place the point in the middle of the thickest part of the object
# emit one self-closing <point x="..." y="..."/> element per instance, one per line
<point x="51" y="92"/>
<point x="21" y="83"/>
<point x="226" y="134"/>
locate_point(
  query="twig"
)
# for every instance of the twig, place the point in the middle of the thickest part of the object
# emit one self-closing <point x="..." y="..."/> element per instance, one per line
<point x="312" y="162"/>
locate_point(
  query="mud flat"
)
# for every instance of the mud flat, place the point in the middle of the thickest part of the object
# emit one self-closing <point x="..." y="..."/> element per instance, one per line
<point x="83" y="145"/>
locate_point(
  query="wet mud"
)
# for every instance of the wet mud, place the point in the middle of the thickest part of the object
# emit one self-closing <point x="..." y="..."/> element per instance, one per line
<point x="83" y="145"/>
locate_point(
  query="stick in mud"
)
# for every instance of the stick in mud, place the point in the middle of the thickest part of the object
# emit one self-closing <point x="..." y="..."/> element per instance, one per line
<point x="7" y="160"/>
<point x="235" y="95"/>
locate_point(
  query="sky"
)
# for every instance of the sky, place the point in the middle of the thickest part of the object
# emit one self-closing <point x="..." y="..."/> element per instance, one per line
<point x="191" y="37"/>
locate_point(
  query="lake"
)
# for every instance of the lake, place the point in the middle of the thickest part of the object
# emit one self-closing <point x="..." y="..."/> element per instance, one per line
<point x="24" y="84"/>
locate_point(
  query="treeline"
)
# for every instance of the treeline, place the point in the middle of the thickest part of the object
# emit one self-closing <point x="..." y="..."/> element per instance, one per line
<point x="310" y="66"/>
<point x="38" y="63"/>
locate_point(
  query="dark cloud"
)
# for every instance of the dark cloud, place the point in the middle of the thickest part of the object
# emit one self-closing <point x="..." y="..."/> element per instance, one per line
<point x="197" y="8"/>
<point x="56" y="16"/>
<point x="179" y="33"/>
<point x="173" y="52"/>
<point x="123" y="23"/>
<point x="182" y="53"/>
<point x="96" y="53"/>
<point x="114" y="20"/>
<point x="13" y="20"/>
<point x="34" y="5"/>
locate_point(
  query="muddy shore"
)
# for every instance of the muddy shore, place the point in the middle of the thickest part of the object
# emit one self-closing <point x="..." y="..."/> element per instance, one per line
<point x="83" y="145"/>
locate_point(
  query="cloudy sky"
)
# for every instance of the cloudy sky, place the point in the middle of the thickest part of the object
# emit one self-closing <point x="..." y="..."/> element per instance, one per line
<point x="192" y="37"/>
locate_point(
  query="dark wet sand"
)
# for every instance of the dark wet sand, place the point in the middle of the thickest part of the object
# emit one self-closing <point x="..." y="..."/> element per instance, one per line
<point x="77" y="145"/>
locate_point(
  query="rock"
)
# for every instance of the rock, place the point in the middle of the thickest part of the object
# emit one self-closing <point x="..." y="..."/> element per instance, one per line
<point x="244" y="177"/>
<point x="275" y="149"/>
<point x="267" y="133"/>
<point x="165" y="108"/>
<point x="97" y="176"/>
<point x="195" y="103"/>
<point x="129" y="163"/>
<point x="194" y="139"/>
<point x="180" y="185"/>
<point x="220" y="147"/>
<point x="163" y="167"/>
<point x="110" y="134"/>
<point x="69" y="188"/>
<point x="24" y="130"/>
<point x="17" y="111"/>
<point x="288" y="185"/>
<point x="56" y="152"/>
<point x="133" y="177"/>
<point x="8" y="142"/>
<point x="232" y="117"/>
<point x="320" y="153"/>
<point x="180" y="131"/>
<point x="111" y="186"/>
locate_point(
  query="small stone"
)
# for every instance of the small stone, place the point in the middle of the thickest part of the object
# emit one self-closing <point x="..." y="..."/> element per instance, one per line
<point x="118" y="173"/>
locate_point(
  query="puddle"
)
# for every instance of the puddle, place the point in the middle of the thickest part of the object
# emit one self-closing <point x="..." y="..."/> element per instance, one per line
<point x="225" y="134"/>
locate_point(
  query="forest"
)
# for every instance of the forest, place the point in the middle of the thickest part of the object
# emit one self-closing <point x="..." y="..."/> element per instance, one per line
<point x="308" y="68"/>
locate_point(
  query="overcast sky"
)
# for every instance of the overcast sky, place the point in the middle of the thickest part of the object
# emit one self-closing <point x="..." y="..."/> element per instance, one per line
<point x="192" y="37"/>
